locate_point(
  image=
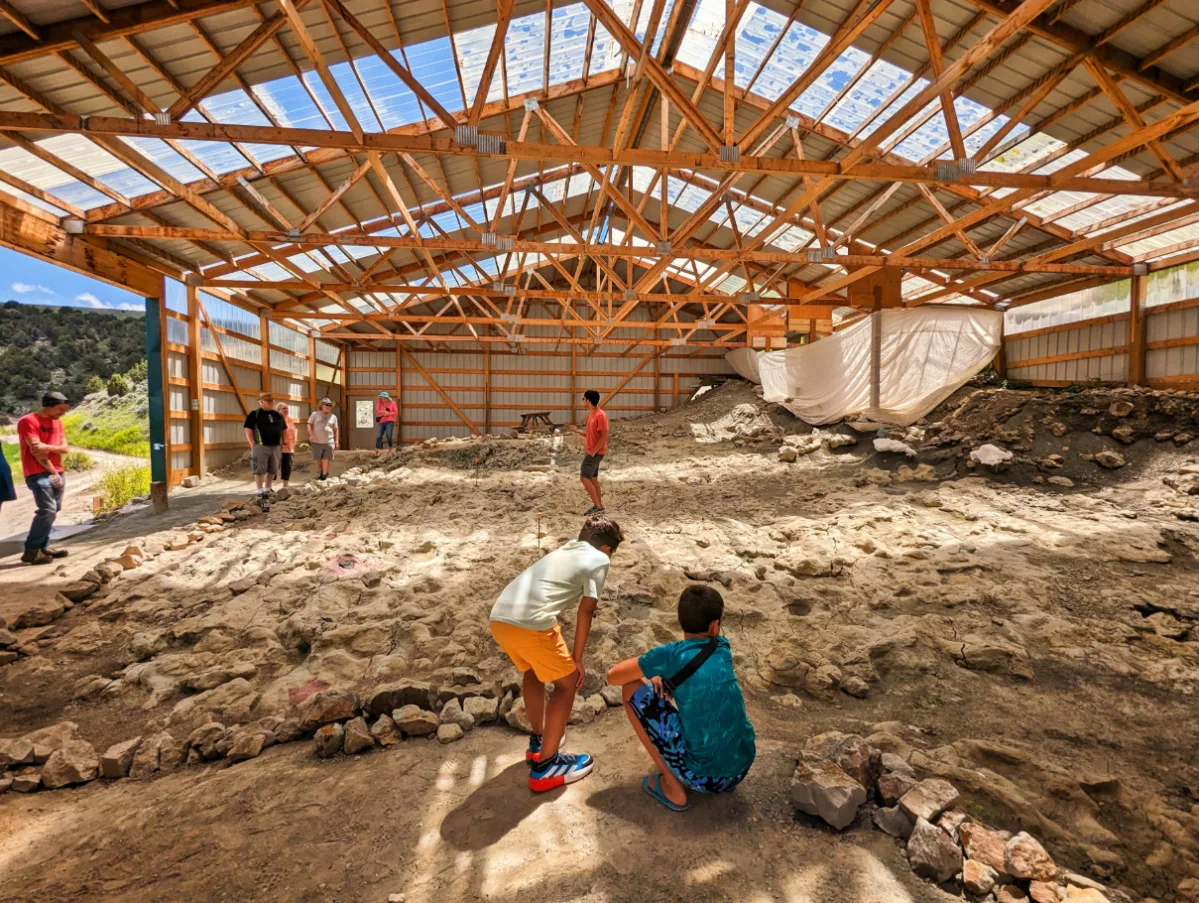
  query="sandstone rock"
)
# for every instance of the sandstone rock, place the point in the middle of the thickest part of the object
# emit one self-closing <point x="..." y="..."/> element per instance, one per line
<point x="1121" y="408"/>
<point x="1125" y="434"/>
<point x="1090" y="895"/>
<point x="894" y="785"/>
<point x="328" y="740"/>
<point x="448" y="733"/>
<point x="452" y="713"/>
<point x="821" y="788"/>
<point x="851" y="753"/>
<point x="288" y="730"/>
<point x="1110" y="459"/>
<point x="157" y="752"/>
<point x="894" y="821"/>
<point x="580" y="712"/>
<point x="415" y="721"/>
<point x="109" y="570"/>
<point x="613" y="696"/>
<point x="5" y="783"/>
<point x="79" y="590"/>
<point x="985" y="845"/>
<point x="951" y="823"/>
<point x="7" y="639"/>
<point x="1024" y="857"/>
<point x="1065" y="482"/>
<point x="1010" y="893"/>
<point x="191" y="481"/>
<point x="932" y="852"/>
<point x="978" y="877"/>
<point x="929" y="798"/>
<point x="481" y="709"/>
<point x="16" y="752"/>
<point x="517" y="717"/>
<point x="787" y="454"/>
<point x="75" y="763"/>
<point x="400" y="694"/>
<point x="1044" y="892"/>
<point x="357" y="737"/>
<point x="839" y="440"/>
<point x="247" y="744"/>
<point x="118" y="758"/>
<point x="385" y="732"/>
<point x="855" y="687"/>
<point x="128" y="562"/>
<point x="205" y="738"/>
<point x="26" y="781"/>
<point x="325" y="707"/>
<point x="40" y="614"/>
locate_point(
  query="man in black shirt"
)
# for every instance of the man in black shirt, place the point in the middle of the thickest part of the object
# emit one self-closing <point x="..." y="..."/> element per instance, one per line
<point x="264" y="433"/>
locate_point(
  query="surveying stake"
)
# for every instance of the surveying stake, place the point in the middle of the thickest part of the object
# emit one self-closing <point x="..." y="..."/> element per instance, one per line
<point x="539" y="532"/>
<point x="477" y="473"/>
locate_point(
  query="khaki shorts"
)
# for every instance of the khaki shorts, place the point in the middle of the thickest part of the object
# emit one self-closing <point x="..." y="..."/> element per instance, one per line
<point x="542" y="650"/>
<point x="322" y="451"/>
<point x="265" y="459"/>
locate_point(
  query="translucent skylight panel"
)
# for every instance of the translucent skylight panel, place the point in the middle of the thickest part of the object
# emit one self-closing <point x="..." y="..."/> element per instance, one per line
<point x="236" y="106"/>
<point x="925" y="141"/>
<point x="1057" y="201"/>
<point x="97" y="163"/>
<point x="290" y="104"/>
<point x="347" y="80"/>
<point x="1106" y="209"/>
<point x="731" y="284"/>
<point x="867" y="95"/>
<point x="391" y="97"/>
<point x="1136" y="219"/>
<point x="1147" y="246"/>
<point x="625" y="9"/>
<point x="706" y="24"/>
<point x="831" y="81"/>
<point x="524" y="57"/>
<point x="1026" y="153"/>
<point x="792" y="239"/>
<point x="568" y="42"/>
<point x="760" y="28"/>
<point x="272" y="272"/>
<point x="915" y="88"/>
<point x="432" y="64"/>
<point x="983" y="135"/>
<point x="49" y="178"/>
<point x="166" y="157"/>
<point x="219" y="156"/>
<point x="31" y="200"/>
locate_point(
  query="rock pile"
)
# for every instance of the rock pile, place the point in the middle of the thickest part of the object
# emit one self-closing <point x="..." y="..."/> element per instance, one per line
<point x="838" y="773"/>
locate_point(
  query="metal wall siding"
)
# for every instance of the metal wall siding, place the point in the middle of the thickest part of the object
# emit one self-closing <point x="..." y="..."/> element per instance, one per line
<point x="1181" y="360"/>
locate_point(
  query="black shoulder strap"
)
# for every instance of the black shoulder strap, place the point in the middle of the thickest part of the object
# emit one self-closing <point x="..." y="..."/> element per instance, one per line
<point x="684" y="674"/>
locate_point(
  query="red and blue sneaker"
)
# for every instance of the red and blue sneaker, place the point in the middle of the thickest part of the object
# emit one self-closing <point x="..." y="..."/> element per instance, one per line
<point x="559" y="770"/>
<point x="533" y="753"/>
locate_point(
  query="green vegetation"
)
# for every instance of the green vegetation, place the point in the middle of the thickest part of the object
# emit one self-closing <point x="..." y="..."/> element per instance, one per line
<point x="77" y="461"/>
<point x="12" y="454"/>
<point x="118" y="385"/>
<point x="119" y="430"/>
<point x="118" y="487"/>
<point x="62" y="348"/>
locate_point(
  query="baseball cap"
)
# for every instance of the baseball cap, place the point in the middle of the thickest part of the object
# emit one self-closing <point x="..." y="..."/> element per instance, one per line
<point x="266" y="396"/>
<point x="50" y="399"/>
<point x="384" y="394"/>
<point x="328" y="401"/>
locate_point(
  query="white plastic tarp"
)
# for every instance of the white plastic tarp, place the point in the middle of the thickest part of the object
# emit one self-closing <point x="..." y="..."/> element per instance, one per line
<point x="745" y="362"/>
<point x="924" y="355"/>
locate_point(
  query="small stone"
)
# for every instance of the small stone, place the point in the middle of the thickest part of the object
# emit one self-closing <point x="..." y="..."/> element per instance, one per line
<point x="517" y="717"/>
<point x="951" y="823"/>
<point x="1010" y="893"/>
<point x="929" y="798"/>
<point x="894" y="785"/>
<point x="448" y="733"/>
<point x="128" y="562"/>
<point x="385" y="732"/>
<point x="190" y="482"/>
<point x="288" y="730"/>
<point x="978" y="877"/>
<point x="1110" y="459"/>
<point x="894" y="821"/>
<point x="1064" y="482"/>
<point x="855" y="687"/>
<point x="481" y="709"/>
<point x="41" y="614"/>
<point x="465" y="677"/>
<point x="451" y="713"/>
<point x="597" y="704"/>
<point x="985" y="845"/>
<point x="118" y="758"/>
<point x="1024" y="857"/>
<point x="897" y="764"/>
<point x="1188" y="890"/>
<point x="613" y="696"/>
<point x="932" y="852"/>
<point x="580" y="712"/>
<point x="821" y="788"/>
<point x="395" y="898"/>
<point x="328" y="740"/>
<point x="5" y="782"/>
<point x="1090" y="895"/>
<point x="1044" y="892"/>
<point x="7" y="639"/>
<point x="1125" y="434"/>
<point x="26" y="782"/>
<point x="79" y="590"/>
<point x="325" y="707"/>
<point x="75" y="762"/>
<point x="415" y="721"/>
<point x="109" y="570"/>
<point x="205" y="739"/>
<point x="787" y="454"/>
<point x="247" y="744"/>
<point x="16" y="752"/>
<point x="1121" y="408"/>
<point x="157" y="752"/>
<point x="357" y="736"/>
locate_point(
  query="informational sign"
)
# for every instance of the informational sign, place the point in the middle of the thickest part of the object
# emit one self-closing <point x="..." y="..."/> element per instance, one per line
<point x="364" y="414"/>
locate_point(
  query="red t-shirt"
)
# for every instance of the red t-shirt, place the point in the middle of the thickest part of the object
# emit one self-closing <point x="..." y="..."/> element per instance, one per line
<point x="596" y="440"/>
<point x="45" y="430"/>
<point x="385" y="410"/>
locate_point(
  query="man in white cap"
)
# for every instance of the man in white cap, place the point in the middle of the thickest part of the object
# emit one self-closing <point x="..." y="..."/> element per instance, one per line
<point x="385" y="424"/>
<point x="322" y="436"/>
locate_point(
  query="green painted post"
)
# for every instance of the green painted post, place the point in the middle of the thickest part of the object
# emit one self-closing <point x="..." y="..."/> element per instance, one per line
<point x="154" y="363"/>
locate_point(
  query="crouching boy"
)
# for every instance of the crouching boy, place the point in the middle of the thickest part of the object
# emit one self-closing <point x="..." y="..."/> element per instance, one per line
<point x="524" y="622"/>
<point x="686" y="707"/>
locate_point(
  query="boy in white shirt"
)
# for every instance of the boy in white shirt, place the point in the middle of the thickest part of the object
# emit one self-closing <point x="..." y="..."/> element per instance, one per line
<point x="524" y="622"/>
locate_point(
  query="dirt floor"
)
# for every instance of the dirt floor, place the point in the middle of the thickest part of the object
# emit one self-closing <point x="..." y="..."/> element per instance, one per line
<point x="1032" y="641"/>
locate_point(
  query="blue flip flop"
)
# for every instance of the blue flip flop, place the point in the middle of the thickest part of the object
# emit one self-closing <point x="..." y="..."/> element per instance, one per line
<point x="653" y="786"/>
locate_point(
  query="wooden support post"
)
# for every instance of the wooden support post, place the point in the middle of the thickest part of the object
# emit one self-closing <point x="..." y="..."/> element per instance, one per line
<point x="676" y="388"/>
<point x="574" y="385"/>
<point x="486" y="390"/>
<point x="311" y="374"/>
<point x="1136" y="331"/>
<point x="195" y="377"/>
<point x="399" y="396"/>
<point x="264" y="340"/>
<point x="657" y="379"/>
<point x="1000" y="362"/>
<point x="158" y="383"/>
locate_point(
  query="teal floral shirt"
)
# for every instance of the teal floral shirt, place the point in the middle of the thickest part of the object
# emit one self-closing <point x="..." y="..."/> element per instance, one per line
<point x="718" y="736"/>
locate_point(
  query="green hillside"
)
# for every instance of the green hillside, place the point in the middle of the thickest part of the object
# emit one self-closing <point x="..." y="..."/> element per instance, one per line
<point x="62" y="348"/>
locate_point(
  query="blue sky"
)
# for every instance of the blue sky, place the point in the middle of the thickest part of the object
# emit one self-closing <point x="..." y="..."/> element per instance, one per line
<point x="31" y="281"/>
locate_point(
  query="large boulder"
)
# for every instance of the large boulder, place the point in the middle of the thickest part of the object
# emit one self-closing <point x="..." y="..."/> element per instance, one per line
<point x="448" y="733"/>
<point x="985" y="845"/>
<point x="415" y="721"/>
<point x="851" y="753"/>
<point x="1024" y="857"/>
<point x="451" y="713"/>
<point x="932" y="852"/>
<point x="929" y="798"/>
<point x="894" y="821"/>
<point x="157" y="752"/>
<point x="481" y="709"/>
<point x="16" y="752"/>
<point x="325" y="707"/>
<point x="75" y="762"/>
<point x="385" y="732"/>
<point x="821" y="788"/>
<point x="357" y="736"/>
<point x="978" y="877"/>
<point x="118" y="758"/>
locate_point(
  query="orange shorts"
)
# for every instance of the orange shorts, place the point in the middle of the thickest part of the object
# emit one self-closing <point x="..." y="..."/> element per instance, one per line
<point x="542" y="650"/>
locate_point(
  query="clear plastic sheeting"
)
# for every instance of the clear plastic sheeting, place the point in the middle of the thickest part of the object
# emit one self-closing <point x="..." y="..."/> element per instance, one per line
<point x="745" y="362"/>
<point x="923" y="356"/>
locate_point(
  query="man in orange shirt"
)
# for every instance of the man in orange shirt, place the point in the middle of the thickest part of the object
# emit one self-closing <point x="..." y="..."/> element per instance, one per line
<point x="595" y="446"/>
<point x="43" y="443"/>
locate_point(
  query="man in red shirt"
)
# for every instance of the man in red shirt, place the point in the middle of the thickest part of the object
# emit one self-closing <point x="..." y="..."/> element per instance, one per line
<point x="43" y="443"/>
<point x="595" y="446"/>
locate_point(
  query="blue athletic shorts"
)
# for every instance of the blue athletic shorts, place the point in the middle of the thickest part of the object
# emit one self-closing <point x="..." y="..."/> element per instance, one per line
<point x="662" y="723"/>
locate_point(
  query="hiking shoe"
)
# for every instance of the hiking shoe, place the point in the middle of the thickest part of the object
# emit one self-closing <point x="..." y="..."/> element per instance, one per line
<point x="533" y="753"/>
<point x="562" y="769"/>
<point x="56" y="553"/>
<point x="594" y="509"/>
<point x="36" y="556"/>
<point x="264" y="503"/>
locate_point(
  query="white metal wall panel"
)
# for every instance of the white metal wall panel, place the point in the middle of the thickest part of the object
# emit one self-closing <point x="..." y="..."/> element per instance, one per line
<point x="1180" y="361"/>
<point x="1086" y="338"/>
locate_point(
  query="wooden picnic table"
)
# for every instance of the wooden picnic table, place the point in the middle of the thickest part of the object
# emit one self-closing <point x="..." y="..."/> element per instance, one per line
<point x="534" y="421"/>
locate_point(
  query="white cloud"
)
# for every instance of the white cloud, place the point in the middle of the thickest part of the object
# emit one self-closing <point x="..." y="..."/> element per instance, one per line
<point x="91" y="300"/>
<point x="125" y="305"/>
<point x="23" y="288"/>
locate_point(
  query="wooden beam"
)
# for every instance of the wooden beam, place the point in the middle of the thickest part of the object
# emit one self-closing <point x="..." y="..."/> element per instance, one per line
<point x="933" y="43"/>
<point x="1136" y="331"/>
<point x="19" y="19"/>
<point x="503" y="17"/>
<point x="433" y="384"/>
<point x="195" y="371"/>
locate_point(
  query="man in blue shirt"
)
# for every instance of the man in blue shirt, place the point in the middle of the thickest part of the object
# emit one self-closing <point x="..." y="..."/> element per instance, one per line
<point x="693" y="724"/>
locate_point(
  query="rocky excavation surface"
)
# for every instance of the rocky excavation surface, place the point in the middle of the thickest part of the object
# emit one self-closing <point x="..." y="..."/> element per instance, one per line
<point x="1032" y="643"/>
